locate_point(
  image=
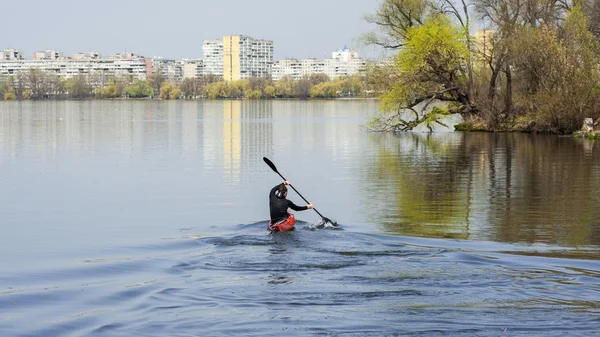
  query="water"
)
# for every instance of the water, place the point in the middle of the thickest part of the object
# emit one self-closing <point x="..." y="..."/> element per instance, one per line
<point x="149" y="219"/>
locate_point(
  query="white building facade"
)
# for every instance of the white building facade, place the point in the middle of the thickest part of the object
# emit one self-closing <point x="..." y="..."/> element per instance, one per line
<point x="48" y="55"/>
<point x="68" y="68"/>
<point x="171" y="70"/>
<point x="212" y="51"/>
<point x="87" y="56"/>
<point x="192" y="68"/>
<point x="344" y="62"/>
<point x="238" y="57"/>
<point x="256" y="57"/>
<point x="10" y="55"/>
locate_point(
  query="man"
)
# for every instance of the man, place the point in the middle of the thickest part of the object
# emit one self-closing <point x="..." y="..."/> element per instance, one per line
<point x="279" y="205"/>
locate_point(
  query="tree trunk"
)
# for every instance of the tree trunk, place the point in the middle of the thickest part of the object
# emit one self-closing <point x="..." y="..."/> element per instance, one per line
<point x="508" y="93"/>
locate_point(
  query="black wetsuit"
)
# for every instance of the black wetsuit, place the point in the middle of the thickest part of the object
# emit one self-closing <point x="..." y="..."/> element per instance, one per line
<point x="279" y="206"/>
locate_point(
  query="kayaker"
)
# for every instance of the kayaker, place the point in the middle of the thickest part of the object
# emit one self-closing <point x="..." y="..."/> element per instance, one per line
<point x="279" y="204"/>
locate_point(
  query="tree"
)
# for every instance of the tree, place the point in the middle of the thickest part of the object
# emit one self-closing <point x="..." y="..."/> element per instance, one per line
<point x="318" y="78"/>
<point x="10" y="95"/>
<point x="169" y="91"/>
<point x="301" y="88"/>
<point x="80" y="87"/>
<point x="259" y="83"/>
<point x="139" y="89"/>
<point x="36" y="83"/>
<point x="189" y="88"/>
<point x="27" y="94"/>
<point x="325" y="90"/>
<point x="558" y="73"/>
<point x="270" y="91"/>
<point x="253" y="94"/>
<point x="217" y="90"/>
<point x="155" y="81"/>
<point x="351" y="86"/>
<point x="379" y="77"/>
<point x="283" y="87"/>
<point x="394" y="18"/>
<point x="431" y="66"/>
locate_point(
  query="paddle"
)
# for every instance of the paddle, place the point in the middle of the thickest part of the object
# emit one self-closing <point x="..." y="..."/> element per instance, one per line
<point x="272" y="166"/>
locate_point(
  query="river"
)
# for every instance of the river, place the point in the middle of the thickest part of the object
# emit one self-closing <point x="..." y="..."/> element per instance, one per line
<point x="148" y="218"/>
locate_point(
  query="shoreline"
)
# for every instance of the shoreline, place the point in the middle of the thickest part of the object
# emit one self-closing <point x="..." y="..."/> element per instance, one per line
<point x="195" y="99"/>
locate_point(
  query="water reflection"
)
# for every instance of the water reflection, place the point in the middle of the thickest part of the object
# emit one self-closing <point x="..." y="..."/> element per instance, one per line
<point x="201" y="160"/>
<point x="499" y="187"/>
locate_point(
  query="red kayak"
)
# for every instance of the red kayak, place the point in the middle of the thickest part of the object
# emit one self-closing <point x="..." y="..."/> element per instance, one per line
<point x="283" y="226"/>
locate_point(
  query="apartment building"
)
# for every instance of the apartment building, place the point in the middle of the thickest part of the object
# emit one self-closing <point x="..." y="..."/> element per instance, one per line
<point x="287" y="67"/>
<point x="192" y="68"/>
<point x="87" y="56"/>
<point x="212" y="51"/>
<point x="344" y="62"/>
<point x="171" y="70"/>
<point x="10" y="55"/>
<point x="246" y="57"/>
<point x="312" y="66"/>
<point x="116" y="65"/>
<point x="48" y="55"/>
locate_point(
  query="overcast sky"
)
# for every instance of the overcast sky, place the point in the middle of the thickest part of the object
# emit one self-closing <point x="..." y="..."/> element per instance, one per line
<point x="176" y="28"/>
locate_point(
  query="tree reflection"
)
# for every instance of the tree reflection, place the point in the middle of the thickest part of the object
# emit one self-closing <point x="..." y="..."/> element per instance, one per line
<point x="485" y="186"/>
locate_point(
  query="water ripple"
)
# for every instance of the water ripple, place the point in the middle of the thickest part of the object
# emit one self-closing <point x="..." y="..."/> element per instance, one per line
<point x="309" y="282"/>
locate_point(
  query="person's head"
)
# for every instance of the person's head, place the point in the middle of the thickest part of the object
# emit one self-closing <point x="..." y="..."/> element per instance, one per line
<point x="282" y="191"/>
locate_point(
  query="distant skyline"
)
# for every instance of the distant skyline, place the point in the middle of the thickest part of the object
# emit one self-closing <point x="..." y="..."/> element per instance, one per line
<point x="176" y="29"/>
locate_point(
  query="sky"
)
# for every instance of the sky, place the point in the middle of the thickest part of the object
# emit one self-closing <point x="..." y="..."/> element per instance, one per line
<point x="175" y="29"/>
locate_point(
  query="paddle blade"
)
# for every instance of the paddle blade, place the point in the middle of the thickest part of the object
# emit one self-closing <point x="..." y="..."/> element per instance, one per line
<point x="270" y="163"/>
<point x="330" y="222"/>
<point x="324" y="223"/>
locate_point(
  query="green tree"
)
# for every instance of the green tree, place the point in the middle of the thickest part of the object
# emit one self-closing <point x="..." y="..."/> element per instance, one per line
<point x="169" y="91"/>
<point x="156" y="81"/>
<point x="318" y="78"/>
<point x="10" y="95"/>
<point x="253" y="94"/>
<point x="80" y="87"/>
<point x="189" y="88"/>
<point x="217" y="90"/>
<point x="325" y="90"/>
<point x="394" y="19"/>
<point x="270" y="91"/>
<point x="301" y="88"/>
<point x="139" y="89"/>
<point x="431" y="66"/>
<point x="283" y="87"/>
<point x="27" y="94"/>
<point x="36" y="80"/>
<point x="557" y="74"/>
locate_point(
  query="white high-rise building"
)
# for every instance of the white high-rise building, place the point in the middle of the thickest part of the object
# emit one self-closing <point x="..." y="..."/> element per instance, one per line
<point x="10" y="54"/>
<point x="245" y="57"/>
<point x="212" y="51"/>
<point x="237" y="57"/>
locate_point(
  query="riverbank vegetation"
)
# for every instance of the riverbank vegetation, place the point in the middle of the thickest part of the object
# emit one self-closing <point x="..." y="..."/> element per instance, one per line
<point x="38" y="85"/>
<point x="537" y="72"/>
